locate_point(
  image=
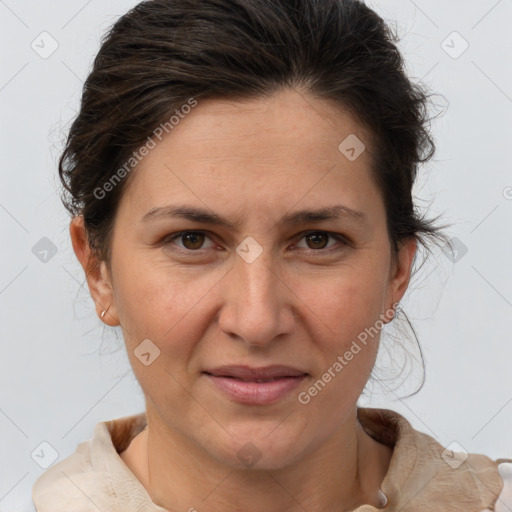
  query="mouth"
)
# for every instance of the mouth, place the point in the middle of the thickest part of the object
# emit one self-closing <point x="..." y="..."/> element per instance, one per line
<point x="255" y="386"/>
<point x="248" y="380"/>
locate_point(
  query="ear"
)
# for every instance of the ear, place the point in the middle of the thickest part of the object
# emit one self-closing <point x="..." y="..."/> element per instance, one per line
<point x="96" y="273"/>
<point x="400" y="273"/>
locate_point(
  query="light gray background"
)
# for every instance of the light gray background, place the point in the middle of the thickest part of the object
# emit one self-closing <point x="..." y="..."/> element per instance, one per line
<point x="57" y="377"/>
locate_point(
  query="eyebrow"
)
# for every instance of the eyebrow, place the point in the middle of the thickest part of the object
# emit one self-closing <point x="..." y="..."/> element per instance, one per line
<point x="205" y="216"/>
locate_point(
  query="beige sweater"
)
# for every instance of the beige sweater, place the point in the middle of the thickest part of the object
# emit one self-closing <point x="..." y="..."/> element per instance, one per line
<point x="422" y="476"/>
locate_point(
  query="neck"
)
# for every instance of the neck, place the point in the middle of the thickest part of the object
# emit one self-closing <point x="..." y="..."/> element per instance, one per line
<point x="339" y="475"/>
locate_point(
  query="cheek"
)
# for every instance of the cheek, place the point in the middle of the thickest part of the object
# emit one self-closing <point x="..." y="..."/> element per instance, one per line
<point x="350" y="307"/>
<point x="162" y="303"/>
<point x="346" y="301"/>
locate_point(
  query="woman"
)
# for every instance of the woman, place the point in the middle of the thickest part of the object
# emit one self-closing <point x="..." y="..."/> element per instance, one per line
<point x="239" y="177"/>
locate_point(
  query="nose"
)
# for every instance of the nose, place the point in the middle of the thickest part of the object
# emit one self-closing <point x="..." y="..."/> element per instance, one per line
<point x="258" y="303"/>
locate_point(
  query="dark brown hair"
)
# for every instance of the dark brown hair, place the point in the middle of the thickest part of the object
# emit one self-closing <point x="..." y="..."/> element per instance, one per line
<point x="162" y="53"/>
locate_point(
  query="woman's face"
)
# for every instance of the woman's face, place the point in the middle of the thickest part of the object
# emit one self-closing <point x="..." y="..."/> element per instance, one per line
<point x="251" y="288"/>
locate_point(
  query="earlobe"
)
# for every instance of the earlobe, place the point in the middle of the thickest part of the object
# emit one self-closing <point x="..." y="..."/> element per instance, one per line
<point x="96" y="273"/>
<point x="402" y="271"/>
<point x="105" y="303"/>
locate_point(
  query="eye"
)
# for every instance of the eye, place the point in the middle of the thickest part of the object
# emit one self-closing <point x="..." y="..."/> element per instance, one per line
<point x="192" y="240"/>
<point x="319" y="239"/>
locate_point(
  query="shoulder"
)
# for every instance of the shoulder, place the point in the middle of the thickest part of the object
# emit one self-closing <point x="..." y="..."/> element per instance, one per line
<point x="95" y="477"/>
<point x="65" y="485"/>
<point x="425" y="475"/>
<point x="458" y="480"/>
<point x="77" y="482"/>
<point x="504" y="501"/>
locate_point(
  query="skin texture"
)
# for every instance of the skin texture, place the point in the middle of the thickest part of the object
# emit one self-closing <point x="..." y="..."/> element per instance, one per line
<point x="301" y="303"/>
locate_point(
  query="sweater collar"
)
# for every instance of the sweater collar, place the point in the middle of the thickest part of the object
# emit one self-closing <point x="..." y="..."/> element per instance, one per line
<point x="419" y="478"/>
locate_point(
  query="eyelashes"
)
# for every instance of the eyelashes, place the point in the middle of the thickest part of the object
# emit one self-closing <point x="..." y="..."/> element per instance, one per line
<point x="196" y="238"/>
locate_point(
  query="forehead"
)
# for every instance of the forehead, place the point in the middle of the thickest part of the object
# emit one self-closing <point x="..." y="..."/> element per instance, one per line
<point x="285" y="147"/>
<point x="284" y="123"/>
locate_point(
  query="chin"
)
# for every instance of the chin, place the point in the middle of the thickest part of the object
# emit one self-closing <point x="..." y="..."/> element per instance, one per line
<point x="259" y="449"/>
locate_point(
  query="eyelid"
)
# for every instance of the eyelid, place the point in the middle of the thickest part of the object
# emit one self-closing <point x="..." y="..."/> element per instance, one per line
<point x="337" y="236"/>
<point x="173" y="236"/>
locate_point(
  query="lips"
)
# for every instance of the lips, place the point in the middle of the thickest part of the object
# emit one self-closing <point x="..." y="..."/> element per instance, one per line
<point x="255" y="386"/>
<point x="264" y="374"/>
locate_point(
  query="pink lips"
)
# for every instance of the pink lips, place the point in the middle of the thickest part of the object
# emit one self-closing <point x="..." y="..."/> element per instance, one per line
<point x="257" y="386"/>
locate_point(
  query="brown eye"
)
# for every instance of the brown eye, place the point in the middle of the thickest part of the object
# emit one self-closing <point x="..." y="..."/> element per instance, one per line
<point x="187" y="241"/>
<point x="192" y="240"/>
<point x="317" y="240"/>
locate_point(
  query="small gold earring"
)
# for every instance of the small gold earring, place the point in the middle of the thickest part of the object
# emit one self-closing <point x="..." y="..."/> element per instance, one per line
<point x="104" y="312"/>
